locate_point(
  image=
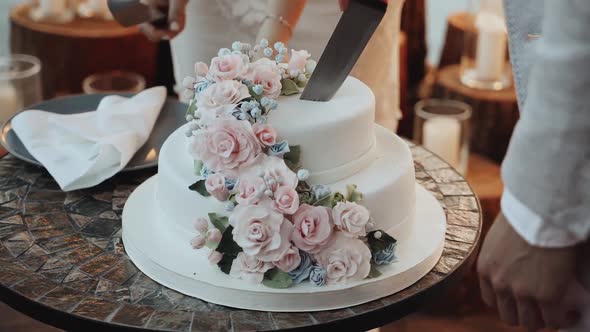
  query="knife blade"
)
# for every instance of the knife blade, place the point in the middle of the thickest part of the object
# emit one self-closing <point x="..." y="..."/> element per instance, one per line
<point x="356" y="26"/>
<point x="132" y="12"/>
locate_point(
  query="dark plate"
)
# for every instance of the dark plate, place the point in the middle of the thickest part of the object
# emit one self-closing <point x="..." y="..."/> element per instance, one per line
<point x="171" y="117"/>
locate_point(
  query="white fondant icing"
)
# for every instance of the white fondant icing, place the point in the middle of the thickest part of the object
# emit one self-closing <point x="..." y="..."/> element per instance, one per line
<point x="387" y="184"/>
<point x="159" y="254"/>
<point x="333" y="133"/>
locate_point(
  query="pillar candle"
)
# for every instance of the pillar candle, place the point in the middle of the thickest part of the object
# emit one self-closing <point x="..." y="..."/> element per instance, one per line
<point x="442" y="135"/>
<point x="52" y="7"/>
<point x="491" y="47"/>
<point x="9" y="101"/>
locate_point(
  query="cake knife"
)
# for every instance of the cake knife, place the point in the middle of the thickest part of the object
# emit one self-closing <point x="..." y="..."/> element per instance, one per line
<point x="356" y="26"/>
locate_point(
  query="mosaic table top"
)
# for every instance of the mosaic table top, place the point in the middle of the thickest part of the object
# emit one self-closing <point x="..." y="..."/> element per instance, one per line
<point x="62" y="260"/>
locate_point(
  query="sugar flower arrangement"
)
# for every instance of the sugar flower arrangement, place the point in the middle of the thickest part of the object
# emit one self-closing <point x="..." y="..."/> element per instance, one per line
<point x="277" y="229"/>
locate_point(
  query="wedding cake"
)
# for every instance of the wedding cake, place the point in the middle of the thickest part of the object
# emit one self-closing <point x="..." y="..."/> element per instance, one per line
<point x="268" y="202"/>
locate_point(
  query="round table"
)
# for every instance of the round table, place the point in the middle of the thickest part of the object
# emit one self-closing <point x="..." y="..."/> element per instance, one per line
<point x="62" y="260"/>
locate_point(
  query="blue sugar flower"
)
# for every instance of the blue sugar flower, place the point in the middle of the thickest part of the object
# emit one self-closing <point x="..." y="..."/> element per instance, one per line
<point x="273" y="104"/>
<point x="280" y="58"/>
<point x="264" y="42"/>
<point x="230" y="184"/>
<point x="256" y="112"/>
<point x="317" y="275"/>
<point x="320" y="191"/>
<point x="279" y="149"/>
<point x="262" y="119"/>
<point x="268" y="52"/>
<point x="265" y="101"/>
<point x="385" y="256"/>
<point x="258" y="89"/>
<point x="224" y="51"/>
<point x="205" y="172"/>
<point x="236" y="46"/>
<point x="279" y="45"/>
<point x="302" y="271"/>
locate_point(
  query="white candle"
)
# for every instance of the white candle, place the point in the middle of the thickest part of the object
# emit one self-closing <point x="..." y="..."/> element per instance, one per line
<point x="442" y="135"/>
<point x="9" y="101"/>
<point x="98" y="6"/>
<point x="52" y="7"/>
<point x="491" y="47"/>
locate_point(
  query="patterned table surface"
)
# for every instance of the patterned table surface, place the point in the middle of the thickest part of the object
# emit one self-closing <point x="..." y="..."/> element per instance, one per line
<point x="62" y="260"/>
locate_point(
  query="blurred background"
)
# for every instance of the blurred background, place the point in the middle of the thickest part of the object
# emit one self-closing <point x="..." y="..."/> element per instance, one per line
<point x="441" y="57"/>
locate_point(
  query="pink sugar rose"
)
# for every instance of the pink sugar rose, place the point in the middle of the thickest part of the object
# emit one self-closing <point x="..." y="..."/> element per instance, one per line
<point x="201" y="225"/>
<point x="265" y="133"/>
<point x="249" y="190"/>
<point x="312" y="228"/>
<point x="351" y="218"/>
<point x="266" y="73"/>
<point x="286" y="200"/>
<point x="215" y="257"/>
<point x="198" y="242"/>
<point x="272" y="168"/>
<point x="290" y="260"/>
<point x="227" y="67"/>
<point x="261" y="231"/>
<point x="345" y="260"/>
<point x="215" y="185"/>
<point x="222" y="97"/>
<point x="249" y="268"/>
<point x="225" y="145"/>
<point x="298" y="61"/>
<point x="201" y="69"/>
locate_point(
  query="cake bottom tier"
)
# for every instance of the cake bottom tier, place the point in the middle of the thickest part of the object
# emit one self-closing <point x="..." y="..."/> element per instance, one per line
<point x="170" y="261"/>
<point x="387" y="184"/>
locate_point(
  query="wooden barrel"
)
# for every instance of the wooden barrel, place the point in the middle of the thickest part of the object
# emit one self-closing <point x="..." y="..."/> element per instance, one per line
<point x="72" y="51"/>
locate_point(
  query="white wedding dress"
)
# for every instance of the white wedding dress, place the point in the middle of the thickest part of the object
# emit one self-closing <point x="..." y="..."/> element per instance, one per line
<point x="213" y="24"/>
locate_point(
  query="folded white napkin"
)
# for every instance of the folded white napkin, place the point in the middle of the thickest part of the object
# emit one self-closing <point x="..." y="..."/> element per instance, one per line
<point x="82" y="150"/>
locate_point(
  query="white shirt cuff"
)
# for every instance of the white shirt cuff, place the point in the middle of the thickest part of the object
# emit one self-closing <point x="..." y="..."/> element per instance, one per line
<point x="534" y="229"/>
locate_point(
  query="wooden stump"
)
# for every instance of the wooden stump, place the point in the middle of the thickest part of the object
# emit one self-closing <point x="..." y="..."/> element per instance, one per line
<point x="458" y="25"/>
<point x="70" y="52"/>
<point x="495" y="113"/>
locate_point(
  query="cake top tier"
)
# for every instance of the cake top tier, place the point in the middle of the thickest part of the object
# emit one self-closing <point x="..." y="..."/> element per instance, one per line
<point x="336" y="137"/>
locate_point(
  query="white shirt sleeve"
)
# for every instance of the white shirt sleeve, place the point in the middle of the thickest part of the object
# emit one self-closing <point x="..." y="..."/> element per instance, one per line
<point x="534" y="229"/>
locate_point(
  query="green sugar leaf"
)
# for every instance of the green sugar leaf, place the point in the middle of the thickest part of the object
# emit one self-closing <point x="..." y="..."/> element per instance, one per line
<point x="199" y="187"/>
<point x="276" y="278"/>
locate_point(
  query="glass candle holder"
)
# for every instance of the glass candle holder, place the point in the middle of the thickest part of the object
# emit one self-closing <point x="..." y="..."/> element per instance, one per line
<point x="94" y="9"/>
<point x="20" y="84"/>
<point x="485" y="61"/>
<point x="442" y="126"/>
<point x="113" y="82"/>
<point x="52" y="11"/>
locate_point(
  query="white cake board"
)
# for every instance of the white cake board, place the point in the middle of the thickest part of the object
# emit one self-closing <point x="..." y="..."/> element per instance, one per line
<point x="174" y="264"/>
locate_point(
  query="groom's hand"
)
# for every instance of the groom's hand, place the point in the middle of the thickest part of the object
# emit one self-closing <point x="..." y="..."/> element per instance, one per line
<point x="176" y="19"/>
<point x="526" y="284"/>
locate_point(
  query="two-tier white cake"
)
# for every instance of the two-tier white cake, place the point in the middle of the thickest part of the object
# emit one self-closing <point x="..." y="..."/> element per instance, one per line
<point x="293" y="205"/>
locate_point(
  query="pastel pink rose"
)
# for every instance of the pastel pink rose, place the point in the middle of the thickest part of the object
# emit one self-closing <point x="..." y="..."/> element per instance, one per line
<point x="227" y="67"/>
<point x="298" y="61"/>
<point x="351" y="218"/>
<point x="345" y="260"/>
<point x="271" y="168"/>
<point x="198" y="242"/>
<point x="215" y="185"/>
<point x="265" y="133"/>
<point x="266" y="73"/>
<point x="215" y="257"/>
<point x="225" y="145"/>
<point x="249" y="268"/>
<point x="201" y="225"/>
<point x="312" y="228"/>
<point x="286" y="200"/>
<point x="261" y="231"/>
<point x="222" y="96"/>
<point x="201" y="70"/>
<point x="290" y="260"/>
<point x="250" y="190"/>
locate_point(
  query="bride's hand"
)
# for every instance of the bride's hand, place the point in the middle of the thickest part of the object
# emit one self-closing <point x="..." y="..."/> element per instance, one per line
<point x="176" y="19"/>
